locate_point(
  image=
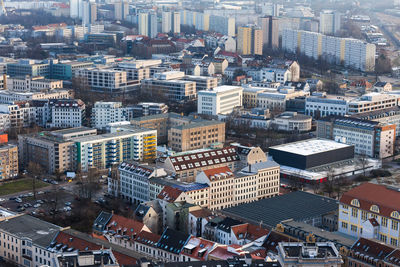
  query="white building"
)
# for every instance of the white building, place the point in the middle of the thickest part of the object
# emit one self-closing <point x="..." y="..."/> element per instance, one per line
<point x="134" y="181"/>
<point x="220" y="100"/>
<point x="29" y="84"/>
<point x="329" y="22"/>
<point x="326" y="106"/>
<point x="66" y="113"/>
<point x="270" y="75"/>
<point x="276" y="99"/>
<point x="104" y="79"/>
<point x="9" y="96"/>
<point x="104" y="113"/>
<point x="292" y="121"/>
<point x="372" y="101"/>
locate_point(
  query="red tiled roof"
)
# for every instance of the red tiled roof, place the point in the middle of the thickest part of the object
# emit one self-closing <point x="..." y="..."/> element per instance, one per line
<point x="169" y="194"/>
<point x="368" y="194"/>
<point x="259" y="254"/>
<point x="202" y="245"/>
<point x="248" y="231"/>
<point x="222" y="253"/>
<point x="125" y="225"/>
<point x="218" y="173"/>
<point x="204" y="158"/>
<point x="147" y="238"/>
<point x="201" y="213"/>
<point x="123" y="259"/>
<point x="75" y="242"/>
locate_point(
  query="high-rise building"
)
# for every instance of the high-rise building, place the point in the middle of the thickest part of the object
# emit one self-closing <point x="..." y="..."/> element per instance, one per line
<point x="8" y="161"/>
<point x="176" y="22"/>
<point x="166" y="25"/>
<point x="121" y="10"/>
<point x="224" y="25"/>
<point x="329" y="22"/>
<point x="249" y="40"/>
<point x="147" y="24"/>
<point x="270" y="30"/>
<point x="74" y="8"/>
<point x="89" y="15"/>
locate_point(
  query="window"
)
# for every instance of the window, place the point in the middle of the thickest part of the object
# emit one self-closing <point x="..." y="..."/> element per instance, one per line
<point x="364" y="215"/>
<point x="344" y="225"/>
<point x="354" y="212"/>
<point x="395" y="225"/>
<point x="384" y="222"/>
<point x="393" y="242"/>
<point x="374" y="208"/>
<point x="383" y="238"/>
<point x="353" y="228"/>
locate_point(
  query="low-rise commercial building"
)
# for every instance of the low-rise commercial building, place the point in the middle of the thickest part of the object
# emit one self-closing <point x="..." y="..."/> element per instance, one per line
<point x="371" y="102"/>
<point x="292" y="122"/>
<point x="32" y="84"/>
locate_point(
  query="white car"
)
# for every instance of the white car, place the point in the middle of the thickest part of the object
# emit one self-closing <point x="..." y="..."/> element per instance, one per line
<point x="37" y="205"/>
<point x="67" y="208"/>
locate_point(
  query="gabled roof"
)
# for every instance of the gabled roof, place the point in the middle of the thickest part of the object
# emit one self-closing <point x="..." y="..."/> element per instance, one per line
<point x="226" y="224"/>
<point x="222" y="252"/>
<point x="124" y="226"/>
<point x="373" y="222"/>
<point x="385" y="197"/>
<point x="218" y="173"/>
<point x="101" y="221"/>
<point x="172" y="241"/>
<point x="204" y="158"/>
<point x="273" y="238"/>
<point x="169" y="194"/>
<point x="147" y="238"/>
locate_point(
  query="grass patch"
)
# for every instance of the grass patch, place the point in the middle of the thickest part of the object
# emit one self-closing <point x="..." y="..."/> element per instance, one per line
<point x="19" y="185"/>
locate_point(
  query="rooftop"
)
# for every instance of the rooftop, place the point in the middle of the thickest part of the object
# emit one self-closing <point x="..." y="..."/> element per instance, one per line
<point x="173" y="241"/>
<point x="298" y="206"/>
<point x="310" y="146"/>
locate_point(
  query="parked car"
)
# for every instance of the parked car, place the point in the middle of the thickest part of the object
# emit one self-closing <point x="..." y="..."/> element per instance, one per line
<point x="37" y="205"/>
<point x="68" y="203"/>
<point x="18" y="200"/>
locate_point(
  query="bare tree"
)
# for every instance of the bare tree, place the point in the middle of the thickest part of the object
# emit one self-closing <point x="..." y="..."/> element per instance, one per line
<point x="34" y="169"/>
<point x="363" y="162"/>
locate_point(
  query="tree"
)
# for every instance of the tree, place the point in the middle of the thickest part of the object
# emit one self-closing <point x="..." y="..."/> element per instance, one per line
<point x="329" y="184"/>
<point x="363" y="162"/>
<point x="383" y="65"/>
<point x="89" y="184"/>
<point x="34" y="169"/>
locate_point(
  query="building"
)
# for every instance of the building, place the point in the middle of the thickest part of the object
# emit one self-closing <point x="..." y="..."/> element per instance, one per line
<point x="66" y="113"/>
<point x="371" y="211"/>
<point x="224" y="25"/>
<point x="104" y="113"/>
<point x="186" y="166"/>
<point x="53" y="151"/>
<point x="220" y="100"/>
<point x="308" y="254"/>
<point x="352" y="53"/>
<point x="65" y="70"/>
<point x="170" y="86"/>
<point x="105" y="80"/>
<point x="292" y="122"/>
<point x="24" y="241"/>
<point x="89" y="15"/>
<point x="121" y="10"/>
<point x="249" y="40"/>
<point x="371" y="102"/>
<point x="227" y="189"/>
<point x="134" y="181"/>
<point x="329" y="22"/>
<point x="270" y="31"/>
<point x="276" y="99"/>
<point x="202" y="82"/>
<point x="171" y="22"/>
<point x="387" y="116"/>
<point x="7" y="97"/>
<point x="196" y="135"/>
<point x="125" y="143"/>
<point x="32" y="84"/>
<point x="8" y="161"/>
<point x="299" y="206"/>
<point x="317" y="106"/>
<point x="28" y="67"/>
<point x="310" y="153"/>
<point x="147" y="24"/>
<point x="147" y="109"/>
<point x="369" y="138"/>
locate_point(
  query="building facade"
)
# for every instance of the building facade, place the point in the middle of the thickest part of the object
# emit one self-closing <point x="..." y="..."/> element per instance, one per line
<point x="220" y="100"/>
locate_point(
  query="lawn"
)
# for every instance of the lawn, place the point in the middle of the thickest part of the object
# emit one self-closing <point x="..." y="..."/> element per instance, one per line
<point x="19" y="185"/>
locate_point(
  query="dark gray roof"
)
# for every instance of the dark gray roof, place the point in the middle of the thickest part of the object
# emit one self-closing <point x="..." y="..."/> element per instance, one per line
<point x="173" y="241"/>
<point x="40" y="232"/>
<point x="101" y="221"/>
<point x="298" y="206"/>
<point x="226" y="224"/>
<point x="222" y="263"/>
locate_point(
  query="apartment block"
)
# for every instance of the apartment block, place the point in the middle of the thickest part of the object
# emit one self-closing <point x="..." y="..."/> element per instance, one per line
<point x="196" y="135"/>
<point x="220" y="100"/>
<point x="104" y="113"/>
<point x="147" y="109"/>
<point x="66" y="113"/>
<point x="221" y="24"/>
<point x="124" y="143"/>
<point x="371" y="211"/>
<point x="202" y="82"/>
<point x="9" y="96"/>
<point x="352" y="53"/>
<point x="8" y="161"/>
<point x="250" y="40"/>
<point x="270" y="31"/>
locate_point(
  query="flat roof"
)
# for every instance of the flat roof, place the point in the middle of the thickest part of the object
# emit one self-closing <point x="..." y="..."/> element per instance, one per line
<point x="298" y="206"/>
<point x="310" y="147"/>
<point x="222" y="89"/>
<point x="196" y="124"/>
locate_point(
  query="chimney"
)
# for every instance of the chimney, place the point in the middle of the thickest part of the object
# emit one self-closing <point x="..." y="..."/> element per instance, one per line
<point x="249" y="167"/>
